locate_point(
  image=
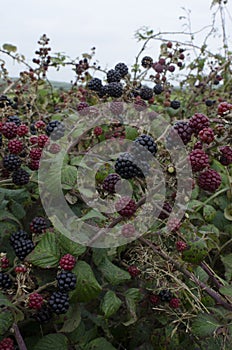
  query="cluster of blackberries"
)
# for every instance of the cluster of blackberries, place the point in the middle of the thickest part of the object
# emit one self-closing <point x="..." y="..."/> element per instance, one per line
<point x="21" y="244"/>
<point x="165" y="295"/>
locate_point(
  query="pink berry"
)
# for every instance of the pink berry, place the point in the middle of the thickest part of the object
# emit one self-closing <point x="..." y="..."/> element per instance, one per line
<point x="4" y="262"/>
<point x="181" y="246"/>
<point x="40" y="124"/>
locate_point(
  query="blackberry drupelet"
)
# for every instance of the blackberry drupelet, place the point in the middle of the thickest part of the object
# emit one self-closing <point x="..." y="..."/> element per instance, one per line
<point x="146" y="93"/>
<point x="20" y="177"/>
<point x="66" y="281"/>
<point x="113" y="76"/>
<point x="38" y="225"/>
<point x="147" y="62"/>
<point x="95" y="84"/>
<point x="110" y="182"/>
<point x="158" y="89"/>
<point x="55" y="129"/>
<point x="23" y="247"/>
<point x="11" y="162"/>
<point x="114" y="89"/>
<point x="59" y="302"/>
<point x="122" y="69"/>
<point x="165" y="295"/>
<point x="175" y="104"/>
<point x="125" y="166"/>
<point x="5" y="281"/>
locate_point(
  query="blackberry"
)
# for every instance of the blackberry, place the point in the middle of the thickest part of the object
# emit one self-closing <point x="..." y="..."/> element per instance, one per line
<point x="206" y="135"/>
<point x="23" y="247"/>
<point x="9" y="130"/>
<point x="114" y="89"/>
<point x="66" y="281"/>
<point x="4" y="262"/>
<point x="67" y="262"/>
<point x="44" y="315"/>
<point x="5" y="281"/>
<point x="175" y="104"/>
<point x="146" y="93"/>
<point x="97" y="131"/>
<point x="33" y="164"/>
<point x="226" y="157"/>
<point x="183" y="130"/>
<point x="116" y="107"/>
<point x="38" y="225"/>
<point x="198" y="122"/>
<point x="14" y="119"/>
<point x="154" y="299"/>
<point x="59" y="302"/>
<point x="15" y="146"/>
<point x="174" y="303"/>
<point x="210" y="103"/>
<point x="4" y="101"/>
<point x="35" y="153"/>
<point x="113" y="76"/>
<point x="140" y="105"/>
<point x="55" y="129"/>
<point x="122" y="69"/>
<point x="159" y="68"/>
<point x="83" y="108"/>
<point x="95" y="84"/>
<point x="147" y="62"/>
<point x="209" y="180"/>
<point x="20" y="177"/>
<point x="125" y="166"/>
<point x="165" y="295"/>
<point x="11" y="162"/>
<point x="181" y="246"/>
<point x="43" y="140"/>
<point x="126" y="206"/>
<point x="33" y="129"/>
<point x="103" y="91"/>
<point x="22" y="130"/>
<point x="7" y="344"/>
<point x="158" y="89"/>
<point x="147" y="142"/>
<point x="35" y="301"/>
<point x="133" y="271"/>
<point x="18" y="235"/>
<point x="165" y="212"/>
<point x="198" y="159"/>
<point x="110" y="182"/>
<point x="128" y="230"/>
<point x="224" y="108"/>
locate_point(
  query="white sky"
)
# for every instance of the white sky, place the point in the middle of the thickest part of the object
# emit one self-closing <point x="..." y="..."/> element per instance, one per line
<point x="75" y="26"/>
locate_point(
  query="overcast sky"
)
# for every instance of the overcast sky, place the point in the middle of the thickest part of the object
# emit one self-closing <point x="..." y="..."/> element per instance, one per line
<point x="75" y="26"/>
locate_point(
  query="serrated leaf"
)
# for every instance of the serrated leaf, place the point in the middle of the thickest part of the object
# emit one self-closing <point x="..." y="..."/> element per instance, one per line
<point x="209" y="213"/>
<point x="99" y="344"/>
<point x="46" y="254"/>
<point x="70" y="246"/>
<point x="110" y="304"/>
<point x="6" y="320"/>
<point x="72" y="319"/>
<point x="204" y="325"/>
<point x="52" y="342"/>
<point x="9" y="47"/>
<point x="112" y="273"/>
<point x="87" y="287"/>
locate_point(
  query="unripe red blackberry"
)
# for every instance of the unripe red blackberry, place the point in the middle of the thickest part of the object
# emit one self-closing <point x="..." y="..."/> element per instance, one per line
<point x="20" y="269"/>
<point x="154" y="299"/>
<point x="22" y="130"/>
<point x="126" y="206"/>
<point x="35" y="153"/>
<point x="7" y="344"/>
<point x="198" y="122"/>
<point x="67" y="262"/>
<point x="173" y="224"/>
<point x="198" y="159"/>
<point x="15" y="146"/>
<point x="110" y="182"/>
<point x="181" y="246"/>
<point x="9" y="130"/>
<point x="174" y="303"/>
<point x="35" y="301"/>
<point x="165" y="212"/>
<point x="206" y="135"/>
<point x="159" y="68"/>
<point x="33" y="140"/>
<point x="198" y="145"/>
<point x="209" y="180"/>
<point x="43" y="140"/>
<point x="33" y="164"/>
<point x="4" y="262"/>
<point x="40" y="124"/>
<point x="147" y="62"/>
<point x="128" y="230"/>
<point x="98" y="131"/>
<point x="140" y="105"/>
<point x="38" y="225"/>
<point x="11" y="162"/>
<point x="83" y="108"/>
<point x="54" y="148"/>
<point x="226" y="155"/>
<point x="181" y="129"/>
<point x="169" y="44"/>
<point x="133" y="271"/>
<point x="224" y="108"/>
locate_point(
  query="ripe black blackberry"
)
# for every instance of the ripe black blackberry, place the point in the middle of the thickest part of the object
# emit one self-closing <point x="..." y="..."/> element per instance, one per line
<point x="23" y="247"/>
<point x="44" y="315"/>
<point x="165" y="295"/>
<point x="146" y="93"/>
<point x="114" y="89"/>
<point x="175" y="104"/>
<point x="14" y="119"/>
<point x="11" y="162"/>
<point x="66" y="281"/>
<point x="210" y="103"/>
<point x="103" y="91"/>
<point x="147" y="142"/>
<point x="182" y="130"/>
<point x="4" y="101"/>
<point x="147" y="62"/>
<point x="110" y="182"/>
<point x="95" y="84"/>
<point x="18" y="235"/>
<point x="158" y="89"/>
<point x="125" y="166"/>
<point x="5" y="281"/>
<point x="20" y="177"/>
<point x="113" y="76"/>
<point x="59" y="302"/>
<point x="122" y="69"/>
<point x="38" y="224"/>
<point x="0" y="140"/>
<point x="55" y="129"/>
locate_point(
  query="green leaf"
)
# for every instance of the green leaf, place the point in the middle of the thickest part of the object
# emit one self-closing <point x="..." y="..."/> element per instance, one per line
<point x="17" y="210"/>
<point x="4" y="300"/>
<point x="69" y="176"/>
<point x="133" y="293"/>
<point x="93" y="214"/>
<point x="6" y="320"/>
<point x="110" y="304"/>
<point x="70" y="246"/>
<point x="46" y="254"/>
<point x="113" y="274"/>
<point x="72" y="319"/>
<point x="227" y="262"/>
<point x="9" y="47"/>
<point x="226" y="290"/>
<point x="99" y="344"/>
<point x="209" y="213"/>
<point x="87" y="287"/>
<point x="52" y="342"/>
<point x="204" y="325"/>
